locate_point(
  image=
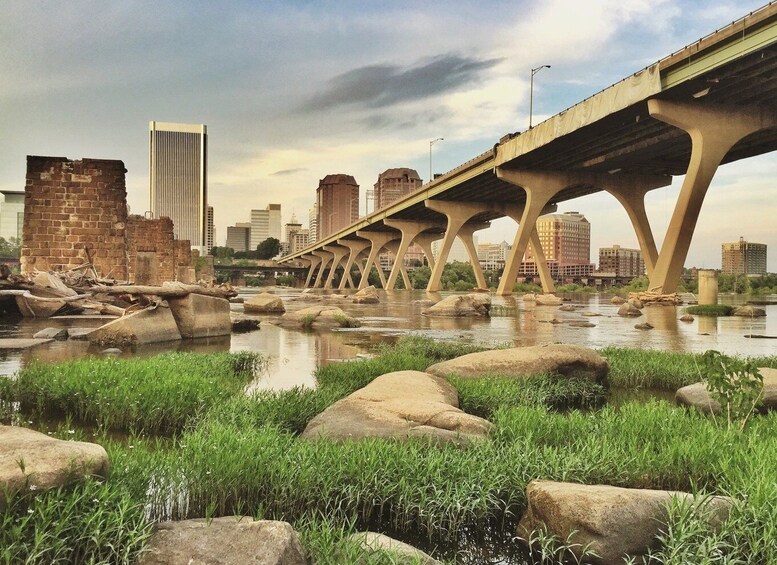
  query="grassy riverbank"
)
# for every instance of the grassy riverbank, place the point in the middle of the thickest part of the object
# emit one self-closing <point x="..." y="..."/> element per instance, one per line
<point x="241" y="455"/>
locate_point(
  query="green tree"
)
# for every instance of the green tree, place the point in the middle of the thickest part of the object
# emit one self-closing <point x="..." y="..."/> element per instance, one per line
<point x="222" y="255"/>
<point x="420" y="277"/>
<point x="268" y="249"/>
<point x="10" y="247"/>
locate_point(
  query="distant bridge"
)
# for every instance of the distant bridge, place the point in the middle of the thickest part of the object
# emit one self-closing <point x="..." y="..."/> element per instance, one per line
<point x="713" y="102"/>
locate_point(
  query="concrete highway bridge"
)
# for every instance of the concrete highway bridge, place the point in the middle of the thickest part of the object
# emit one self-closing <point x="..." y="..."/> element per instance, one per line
<point x="713" y="102"/>
<point x="237" y="273"/>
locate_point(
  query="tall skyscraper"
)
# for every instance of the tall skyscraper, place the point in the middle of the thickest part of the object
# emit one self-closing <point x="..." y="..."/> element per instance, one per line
<point x="566" y="242"/>
<point x="178" y="158"/>
<point x="239" y="236"/>
<point x="744" y="257"/>
<point x="210" y="232"/>
<point x="265" y="224"/>
<point x="313" y="223"/>
<point x="338" y="204"/>
<point x="393" y="184"/>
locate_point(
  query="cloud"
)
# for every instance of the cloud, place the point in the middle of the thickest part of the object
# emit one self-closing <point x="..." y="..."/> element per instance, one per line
<point x="285" y="172"/>
<point x="378" y="86"/>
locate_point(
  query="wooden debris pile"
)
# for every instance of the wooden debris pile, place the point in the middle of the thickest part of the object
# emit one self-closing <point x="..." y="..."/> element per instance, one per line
<point x="655" y="297"/>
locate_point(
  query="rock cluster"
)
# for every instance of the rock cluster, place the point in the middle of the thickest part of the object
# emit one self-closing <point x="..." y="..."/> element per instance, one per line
<point x="318" y="316"/>
<point x="367" y="295"/>
<point x="460" y="305"/>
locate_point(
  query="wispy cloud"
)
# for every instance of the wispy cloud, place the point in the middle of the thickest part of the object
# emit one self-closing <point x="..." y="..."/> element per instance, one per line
<point x="286" y="172"/>
<point x="378" y="86"/>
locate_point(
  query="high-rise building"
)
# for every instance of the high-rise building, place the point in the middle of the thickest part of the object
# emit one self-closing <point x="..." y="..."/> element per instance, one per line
<point x="298" y="241"/>
<point x="11" y="213"/>
<point x="566" y="242"/>
<point x="393" y="184"/>
<point x="178" y="171"/>
<point x="621" y="262"/>
<point x="313" y="223"/>
<point x="210" y="233"/>
<point x="338" y="204"/>
<point x="492" y="256"/>
<point x="239" y="236"/>
<point x="292" y="227"/>
<point x="265" y="224"/>
<point x="744" y="257"/>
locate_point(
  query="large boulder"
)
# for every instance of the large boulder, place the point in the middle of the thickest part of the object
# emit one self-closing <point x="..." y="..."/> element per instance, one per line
<point x="229" y="540"/>
<point x="520" y="362"/>
<point x="459" y="305"/>
<point x="400" y="405"/>
<point x="628" y="310"/>
<point x="32" y="460"/>
<point x="319" y="316"/>
<point x="264" y="303"/>
<point x="150" y="325"/>
<point x="367" y="295"/>
<point x="548" y="300"/>
<point x="617" y="300"/>
<point x="198" y="315"/>
<point x="698" y="396"/>
<point x="748" y="312"/>
<point x="375" y="542"/>
<point x="612" y="522"/>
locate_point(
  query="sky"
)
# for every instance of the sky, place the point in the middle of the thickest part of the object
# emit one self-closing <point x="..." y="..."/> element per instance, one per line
<point x="292" y="91"/>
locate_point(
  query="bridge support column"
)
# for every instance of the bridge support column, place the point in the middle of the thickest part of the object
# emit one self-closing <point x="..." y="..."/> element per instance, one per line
<point x="425" y="241"/>
<point x="410" y="231"/>
<point x="314" y="262"/>
<point x="540" y="187"/>
<point x="356" y="246"/>
<point x="378" y="239"/>
<point x="714" y="130"/>
<point x="630" y="191"/>
<point x="399" y="264"/>
<point x="466" y="235"/>
<point x="458" y="214"/>
<point x="337" y="256"/>
<point x="326" y="257"/>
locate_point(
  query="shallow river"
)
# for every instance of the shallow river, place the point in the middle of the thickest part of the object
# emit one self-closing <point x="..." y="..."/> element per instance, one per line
<point x="295" y="354"/>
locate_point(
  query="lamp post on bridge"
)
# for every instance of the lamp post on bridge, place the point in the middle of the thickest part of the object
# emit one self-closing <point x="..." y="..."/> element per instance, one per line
<point x="531" y="89"/>
<point x="432" y="142"/>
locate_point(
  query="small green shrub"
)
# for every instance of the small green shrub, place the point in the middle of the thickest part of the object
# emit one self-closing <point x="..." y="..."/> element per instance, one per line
<point x="735" y="383"/>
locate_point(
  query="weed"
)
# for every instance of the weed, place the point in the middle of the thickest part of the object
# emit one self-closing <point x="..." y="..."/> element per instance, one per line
<point x="735" y="383"/>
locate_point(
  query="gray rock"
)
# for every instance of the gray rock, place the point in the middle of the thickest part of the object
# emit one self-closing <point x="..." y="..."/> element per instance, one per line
<point x="567" y="360"/>
<point x="229" y="540"/>
<point x="367" y="295"/>
<point x="643" y="326"/>
<point x="244" y="324"/>
<point x="548" y="300"/>
<point x="628" y="310"/>
<point x="150" y="325"/>
<point x="591" y="314"/>
<point x="617" y="300"/>
<point x="581" y="325"/>
<point x="461" y="305"/>
<point x="264" y="303"/>
<point x="698" y="396"/>
<point x="198" y="315"/>
<point x="686" y="318"/>
<point x="79" y="333"/>
<point x="111" y="351"/>
<point x="319" y="316"/>
<point x="51" y="333"/>
<point x="374" y="542"/>
<point x="749" y="312"/>
<point x="32" y="460"/>
<point x="613" y="522"/>
<point x="568" y="308"/>
<point x="400" y="405"/>
<point x="236" y="300"/>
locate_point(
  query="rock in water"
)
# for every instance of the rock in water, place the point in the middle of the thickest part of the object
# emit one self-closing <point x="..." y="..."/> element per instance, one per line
<point x="368" y="295"/>
<point x="519" y="362"/>
<point x="460" y="305"/>
<point x="264" y="303"/>
<point x="628" y="310"/>
<point x="698" y="396"/>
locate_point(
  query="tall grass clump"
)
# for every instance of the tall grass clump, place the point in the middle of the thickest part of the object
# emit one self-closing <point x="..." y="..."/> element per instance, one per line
<point x="157" y="395"/>
<point x="91" y="522"/>
<point x="486" y="395"/>
<point x="435" y="350"/>
<point x="710" y="310"/>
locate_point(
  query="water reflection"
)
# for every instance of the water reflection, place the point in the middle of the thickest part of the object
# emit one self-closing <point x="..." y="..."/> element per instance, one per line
<point x="293" y="355"/>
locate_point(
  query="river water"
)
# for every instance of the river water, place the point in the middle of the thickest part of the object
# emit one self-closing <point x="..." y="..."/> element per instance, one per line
<point x="295" y="354"/>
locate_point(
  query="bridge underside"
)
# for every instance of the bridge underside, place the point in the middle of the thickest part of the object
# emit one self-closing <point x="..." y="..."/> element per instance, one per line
<point x="710" y="104"/>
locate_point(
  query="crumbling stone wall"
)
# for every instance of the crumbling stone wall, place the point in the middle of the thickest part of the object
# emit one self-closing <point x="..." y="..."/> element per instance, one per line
<point x="74" y="211"/>
<point x="151" y="236"/>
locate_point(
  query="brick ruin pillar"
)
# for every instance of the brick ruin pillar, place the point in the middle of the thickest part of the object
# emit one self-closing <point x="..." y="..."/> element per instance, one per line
<point x="75" y="211"/>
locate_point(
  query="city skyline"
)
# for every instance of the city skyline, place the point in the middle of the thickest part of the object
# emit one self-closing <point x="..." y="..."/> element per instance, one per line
<point x="349" y="95"/>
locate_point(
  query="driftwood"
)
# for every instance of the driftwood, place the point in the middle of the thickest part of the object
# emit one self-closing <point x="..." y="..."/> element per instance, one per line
<point x="168" y="291"/>
<point x="654" y="297"/>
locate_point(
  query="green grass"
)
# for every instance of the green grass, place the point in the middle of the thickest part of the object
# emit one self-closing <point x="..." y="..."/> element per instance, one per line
<point x="710" y="310"/>
<point x="89" y="523"/>
<point x="159" y="395"/>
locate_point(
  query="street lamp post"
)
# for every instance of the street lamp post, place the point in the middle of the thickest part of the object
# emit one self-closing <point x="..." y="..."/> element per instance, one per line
<point x="531" y="88"/>
<point x="432" y="142"/>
